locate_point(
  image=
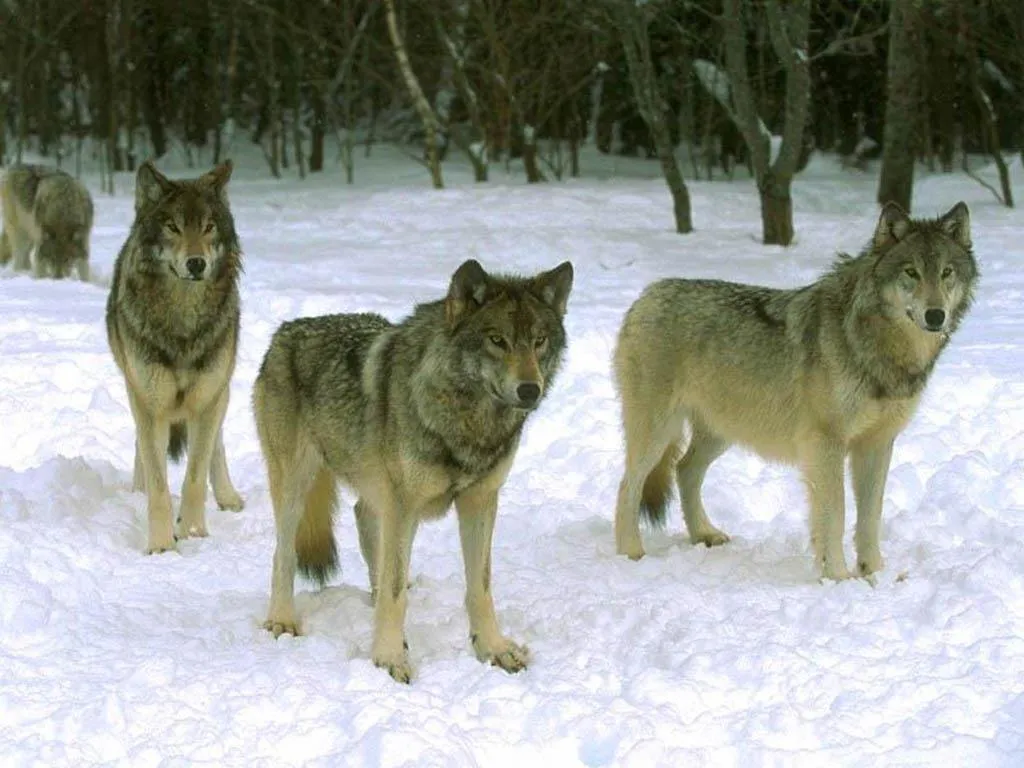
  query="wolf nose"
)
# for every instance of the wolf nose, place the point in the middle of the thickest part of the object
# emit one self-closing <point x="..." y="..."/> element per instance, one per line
<point x="528" y="392"/>
<point x="196" y="266"/>
<point x="934" y="319"/>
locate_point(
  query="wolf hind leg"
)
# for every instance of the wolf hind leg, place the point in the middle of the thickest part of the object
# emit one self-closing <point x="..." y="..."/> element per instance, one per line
<point x="5" y="248"/>
<point x="368" y="526"/>
<point x="651" y="448"/>
<point x="705" y="446"/>
<point x="291" y="479"/>
<point x="223" y="489"/>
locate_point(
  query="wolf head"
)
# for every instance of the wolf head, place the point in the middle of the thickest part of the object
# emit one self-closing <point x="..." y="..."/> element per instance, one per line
<point x="925" y="268"/>
<point x="507" y="332"/>
<point x="184" y="226"/>
<point x="62" y="248"/>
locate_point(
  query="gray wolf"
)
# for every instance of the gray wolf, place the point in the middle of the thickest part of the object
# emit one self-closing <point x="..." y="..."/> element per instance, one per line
<point x="172" y="323"/>
<point x="50" y="212"/>
<point x="413" y="417"/>
<point x="805" y="377"/>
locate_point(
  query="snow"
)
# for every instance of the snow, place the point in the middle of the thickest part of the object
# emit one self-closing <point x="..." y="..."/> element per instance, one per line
<point x="736" y="655"/>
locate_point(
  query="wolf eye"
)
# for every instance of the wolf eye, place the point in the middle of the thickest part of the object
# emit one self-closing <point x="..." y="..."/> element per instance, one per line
<point x="912" y="273"/>
<point x="947" y="272"/>
<point x="208" y="228"/>
<point x="172" y="227"/>
<point x="540" y="341"/>
<point x="498" y="341"/>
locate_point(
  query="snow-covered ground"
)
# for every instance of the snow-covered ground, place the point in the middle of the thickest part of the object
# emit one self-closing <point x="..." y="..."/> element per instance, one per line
<point x="730" y="656"/>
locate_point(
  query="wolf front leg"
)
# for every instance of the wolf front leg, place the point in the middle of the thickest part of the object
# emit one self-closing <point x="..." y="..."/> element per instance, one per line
<point x="477" y="510"/>
<point x="203" y="431"/>
<point x="869" y="464"/>
<point x="823" y="460"/>
<point x="397" y="529"/>
<point x="151" y="438"/>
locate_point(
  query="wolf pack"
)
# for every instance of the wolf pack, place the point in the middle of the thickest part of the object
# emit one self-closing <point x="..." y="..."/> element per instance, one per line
<point x="420" y="415"/>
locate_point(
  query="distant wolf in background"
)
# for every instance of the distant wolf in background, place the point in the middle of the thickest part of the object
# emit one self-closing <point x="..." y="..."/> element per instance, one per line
<point x="414" y="417"/>
<point x="172" y="324"/>
<point x="50" y="212"/>
<point x="805" y="377"/>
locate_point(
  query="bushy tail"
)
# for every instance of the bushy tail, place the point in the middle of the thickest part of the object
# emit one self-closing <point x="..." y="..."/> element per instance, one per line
<point x="314" y="541"/>
<point x="178" y="442"/>
<point x="658" y="488"/>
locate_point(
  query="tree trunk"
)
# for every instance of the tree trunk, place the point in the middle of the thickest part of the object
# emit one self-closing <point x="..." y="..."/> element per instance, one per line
<point x="534" y="175"/>
<point x="476" y="149"/>
<point x="430" y="122"/>
<point x="903" y="105"/>
<point x="317" y="132"/>
<point x="636" y="45"/>
<point x="776" y="210"/>
<point x="788" y="28"/>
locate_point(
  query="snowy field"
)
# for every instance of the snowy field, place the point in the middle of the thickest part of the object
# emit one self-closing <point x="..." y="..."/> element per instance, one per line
<point x="731" y="656"/>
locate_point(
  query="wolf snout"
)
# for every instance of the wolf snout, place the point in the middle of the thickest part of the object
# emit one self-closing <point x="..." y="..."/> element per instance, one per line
<point x="935" y="319"/>
<point x="196" y="266"/>
<point x="528" y="393"/>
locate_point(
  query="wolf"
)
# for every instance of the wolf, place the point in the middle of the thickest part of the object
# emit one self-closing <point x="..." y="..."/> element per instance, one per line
<point x="414" y="417"/>
<point x="805" y="377"/>
<point x="172" y="323"/>
<point x="51" y="212"/>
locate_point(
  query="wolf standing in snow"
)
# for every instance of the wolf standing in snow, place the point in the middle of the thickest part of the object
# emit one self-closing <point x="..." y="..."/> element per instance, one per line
<point x="806" y="376"/>
<point x="50" y="212"/>
<point x="414" y="417"/>
<point x="172" y="324"/>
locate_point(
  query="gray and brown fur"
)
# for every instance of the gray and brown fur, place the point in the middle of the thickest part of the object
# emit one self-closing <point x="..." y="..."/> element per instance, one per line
<point x="172" y="324"/>
<point x="49" y="213"/>
<point x="414" y="417"/>
<point x="805" y="377"/>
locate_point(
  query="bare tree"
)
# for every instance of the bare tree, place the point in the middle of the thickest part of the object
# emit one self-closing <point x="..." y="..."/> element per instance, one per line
<point x="431" y="124"/>
<point x="632" y="22"/>
<point x="454" y="42"/>
<point x="903" y="104"/>
<point x="787" y="28"/>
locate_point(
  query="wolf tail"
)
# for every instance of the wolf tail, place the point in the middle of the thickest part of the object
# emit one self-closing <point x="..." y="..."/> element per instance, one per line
<point x="314" y="541"/>
<point x="178" y="442"/>
<point x="658" y="488"/>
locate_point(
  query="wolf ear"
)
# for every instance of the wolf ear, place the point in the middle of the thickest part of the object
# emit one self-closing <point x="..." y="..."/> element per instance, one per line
<point x="553" y="287"/>
<point x="893" y="225"/>
<point x="218" y="178"/>
<point x="466" y="292"/>
<point x="957" y="224"/>
<point x="150" y="185"/>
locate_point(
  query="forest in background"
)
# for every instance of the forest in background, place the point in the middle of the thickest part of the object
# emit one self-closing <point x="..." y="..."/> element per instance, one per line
<point x="749" y="86"/>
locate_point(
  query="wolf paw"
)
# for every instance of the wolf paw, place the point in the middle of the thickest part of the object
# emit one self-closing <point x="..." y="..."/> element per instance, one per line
<point x="397" y="665"/>
<point x="278" y="627"/>
<point x="836" y="573"/>
<point x="711" y="537"/>
<point x="195" y="530"/>
<point x="869" y="564"/>
<point x="231" y="502"/>
<point x="162" y="543"/>
<point x="633" y="552"/>
<point x="508" y="655"/>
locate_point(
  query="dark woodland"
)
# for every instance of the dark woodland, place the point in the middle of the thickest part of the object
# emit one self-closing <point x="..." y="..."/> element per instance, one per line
<point x="697" y="86"/>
